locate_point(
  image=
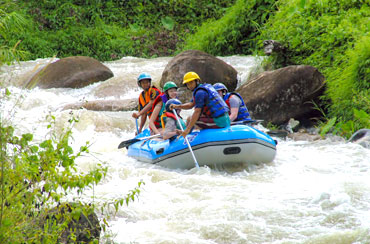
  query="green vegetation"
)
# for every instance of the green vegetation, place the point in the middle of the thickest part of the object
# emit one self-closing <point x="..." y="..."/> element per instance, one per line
<point x="331" y="35"/>
<point x="236" y="32"/>
<point x="349" y="89"/>
<point x="38" y="176"/>
<point x="10" y="22"/>
<point x="108" y="30"/>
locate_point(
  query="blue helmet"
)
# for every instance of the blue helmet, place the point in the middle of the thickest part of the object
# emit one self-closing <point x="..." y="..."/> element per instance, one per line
<point x="171" y="101"/>
<point x="143" y="76"/>
<point x="220" y="86"/>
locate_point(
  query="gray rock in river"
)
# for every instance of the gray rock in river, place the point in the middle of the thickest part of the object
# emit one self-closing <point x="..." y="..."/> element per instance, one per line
<point x="361" y="137"/>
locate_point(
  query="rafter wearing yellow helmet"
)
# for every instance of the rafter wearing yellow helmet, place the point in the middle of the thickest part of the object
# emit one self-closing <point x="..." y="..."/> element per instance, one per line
<point x="190" y="76"/>
<point x="209" y="107"/>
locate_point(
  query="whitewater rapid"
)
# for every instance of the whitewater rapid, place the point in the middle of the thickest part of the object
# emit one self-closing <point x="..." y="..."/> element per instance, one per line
<point x="313" y="192"/>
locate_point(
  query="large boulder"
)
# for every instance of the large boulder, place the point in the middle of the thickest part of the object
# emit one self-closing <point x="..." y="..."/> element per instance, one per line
<point x="276" y="96"/>
<point x="209" y="68"/>
<point x="71" y="72"/>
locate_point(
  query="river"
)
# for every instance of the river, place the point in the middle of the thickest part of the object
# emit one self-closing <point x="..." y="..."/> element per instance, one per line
<point x="313" y="192"/>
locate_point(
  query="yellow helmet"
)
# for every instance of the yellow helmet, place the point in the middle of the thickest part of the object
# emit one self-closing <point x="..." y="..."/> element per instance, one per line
<point x="190" y="76"/>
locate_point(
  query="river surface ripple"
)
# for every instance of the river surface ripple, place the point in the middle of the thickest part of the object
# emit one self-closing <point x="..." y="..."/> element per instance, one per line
<point x="313" y="192"/>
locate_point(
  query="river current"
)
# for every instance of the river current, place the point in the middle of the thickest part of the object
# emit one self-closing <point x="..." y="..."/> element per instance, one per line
<point x="313" y="192"/>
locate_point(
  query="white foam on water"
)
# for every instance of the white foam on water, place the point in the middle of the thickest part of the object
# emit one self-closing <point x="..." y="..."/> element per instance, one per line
<point x="312" y="191"/>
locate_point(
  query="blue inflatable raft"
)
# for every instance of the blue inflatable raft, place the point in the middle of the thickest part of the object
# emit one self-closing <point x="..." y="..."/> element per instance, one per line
<point x="211" y="147"/>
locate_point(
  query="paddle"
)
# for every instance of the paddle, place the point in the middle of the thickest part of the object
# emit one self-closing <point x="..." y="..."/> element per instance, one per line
<point x="129" y="142"/>
<point x="245" y="122"/>
<point x="137" y="126"/>
<point x="186" y="139"/>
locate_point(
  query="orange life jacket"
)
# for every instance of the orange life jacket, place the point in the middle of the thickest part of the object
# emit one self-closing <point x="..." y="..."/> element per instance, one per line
<point x="146" y="96"/>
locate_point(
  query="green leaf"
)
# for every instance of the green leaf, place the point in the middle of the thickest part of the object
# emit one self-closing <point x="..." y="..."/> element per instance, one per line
<point x="76" y="213"/>
<point x="325" y="129"/>
<point x="134" y="27"/>
<point x="27" y="137"/>
<point x="362" y="116"/>
<point x="7" y="222"/>
<point x="45" y="144"/>
<point x="34" y="149"/>
<point x="168" y="23"/>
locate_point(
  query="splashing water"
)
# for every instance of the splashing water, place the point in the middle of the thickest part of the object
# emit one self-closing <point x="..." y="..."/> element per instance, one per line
<point x="313" y="192"/>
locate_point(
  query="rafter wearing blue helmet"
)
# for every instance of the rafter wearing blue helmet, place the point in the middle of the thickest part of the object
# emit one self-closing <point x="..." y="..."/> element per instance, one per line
<point x="169" y="121"/>
<point x="238" y="109"/>
<point x="146" y="99"/>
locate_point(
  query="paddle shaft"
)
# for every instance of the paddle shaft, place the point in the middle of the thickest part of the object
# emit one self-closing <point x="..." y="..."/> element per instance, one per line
<point x="186" y="139"/>
<point x="233" y="123"/>
<point x="137" y="126"/>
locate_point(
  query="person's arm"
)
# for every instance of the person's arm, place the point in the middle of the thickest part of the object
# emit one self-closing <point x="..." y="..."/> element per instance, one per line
<point x="154" y="117"/>
<point x="142" y="114"/>
<point x="193" y="120"/>
<point x="144" y="110"/>
<point x="185" y="106"/>
<point x="234" y="107"/>
<point x="233" y="113"/>
<point x="142" y="123"/>
<point x="200" y="101"/>
<point x="134" y="114"/>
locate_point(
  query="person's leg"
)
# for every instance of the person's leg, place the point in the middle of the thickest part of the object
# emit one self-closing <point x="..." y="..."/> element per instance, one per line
<point x="160" y="129"/>
<point x="206" y="123"/>
<point x="188" y="122"/>
<point x="222" y="121"/>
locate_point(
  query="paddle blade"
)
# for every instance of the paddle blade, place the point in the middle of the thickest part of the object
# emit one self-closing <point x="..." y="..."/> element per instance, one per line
<point x="132" y="141"/>
<point x="127" y="143"/>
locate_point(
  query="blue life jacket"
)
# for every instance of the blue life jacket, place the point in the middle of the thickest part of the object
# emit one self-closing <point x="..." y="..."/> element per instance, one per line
<point x="243" y="114"/>
<point x="215" y="106"/>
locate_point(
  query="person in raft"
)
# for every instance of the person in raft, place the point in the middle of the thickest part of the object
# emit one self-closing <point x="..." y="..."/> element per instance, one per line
<point x="146" y="99"/>
<point x="210" y="110"/>
<point x="169" y="121"/>
<point x="235" y="102"/>
<point x="169" y="91"/>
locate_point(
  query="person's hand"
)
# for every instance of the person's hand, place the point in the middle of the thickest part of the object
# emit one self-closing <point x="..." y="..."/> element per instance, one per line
<point x="135" y="115"/>
<point x="138" y="132"/>
<point x="173" y="106"/>
<point x="184" y="133"/>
